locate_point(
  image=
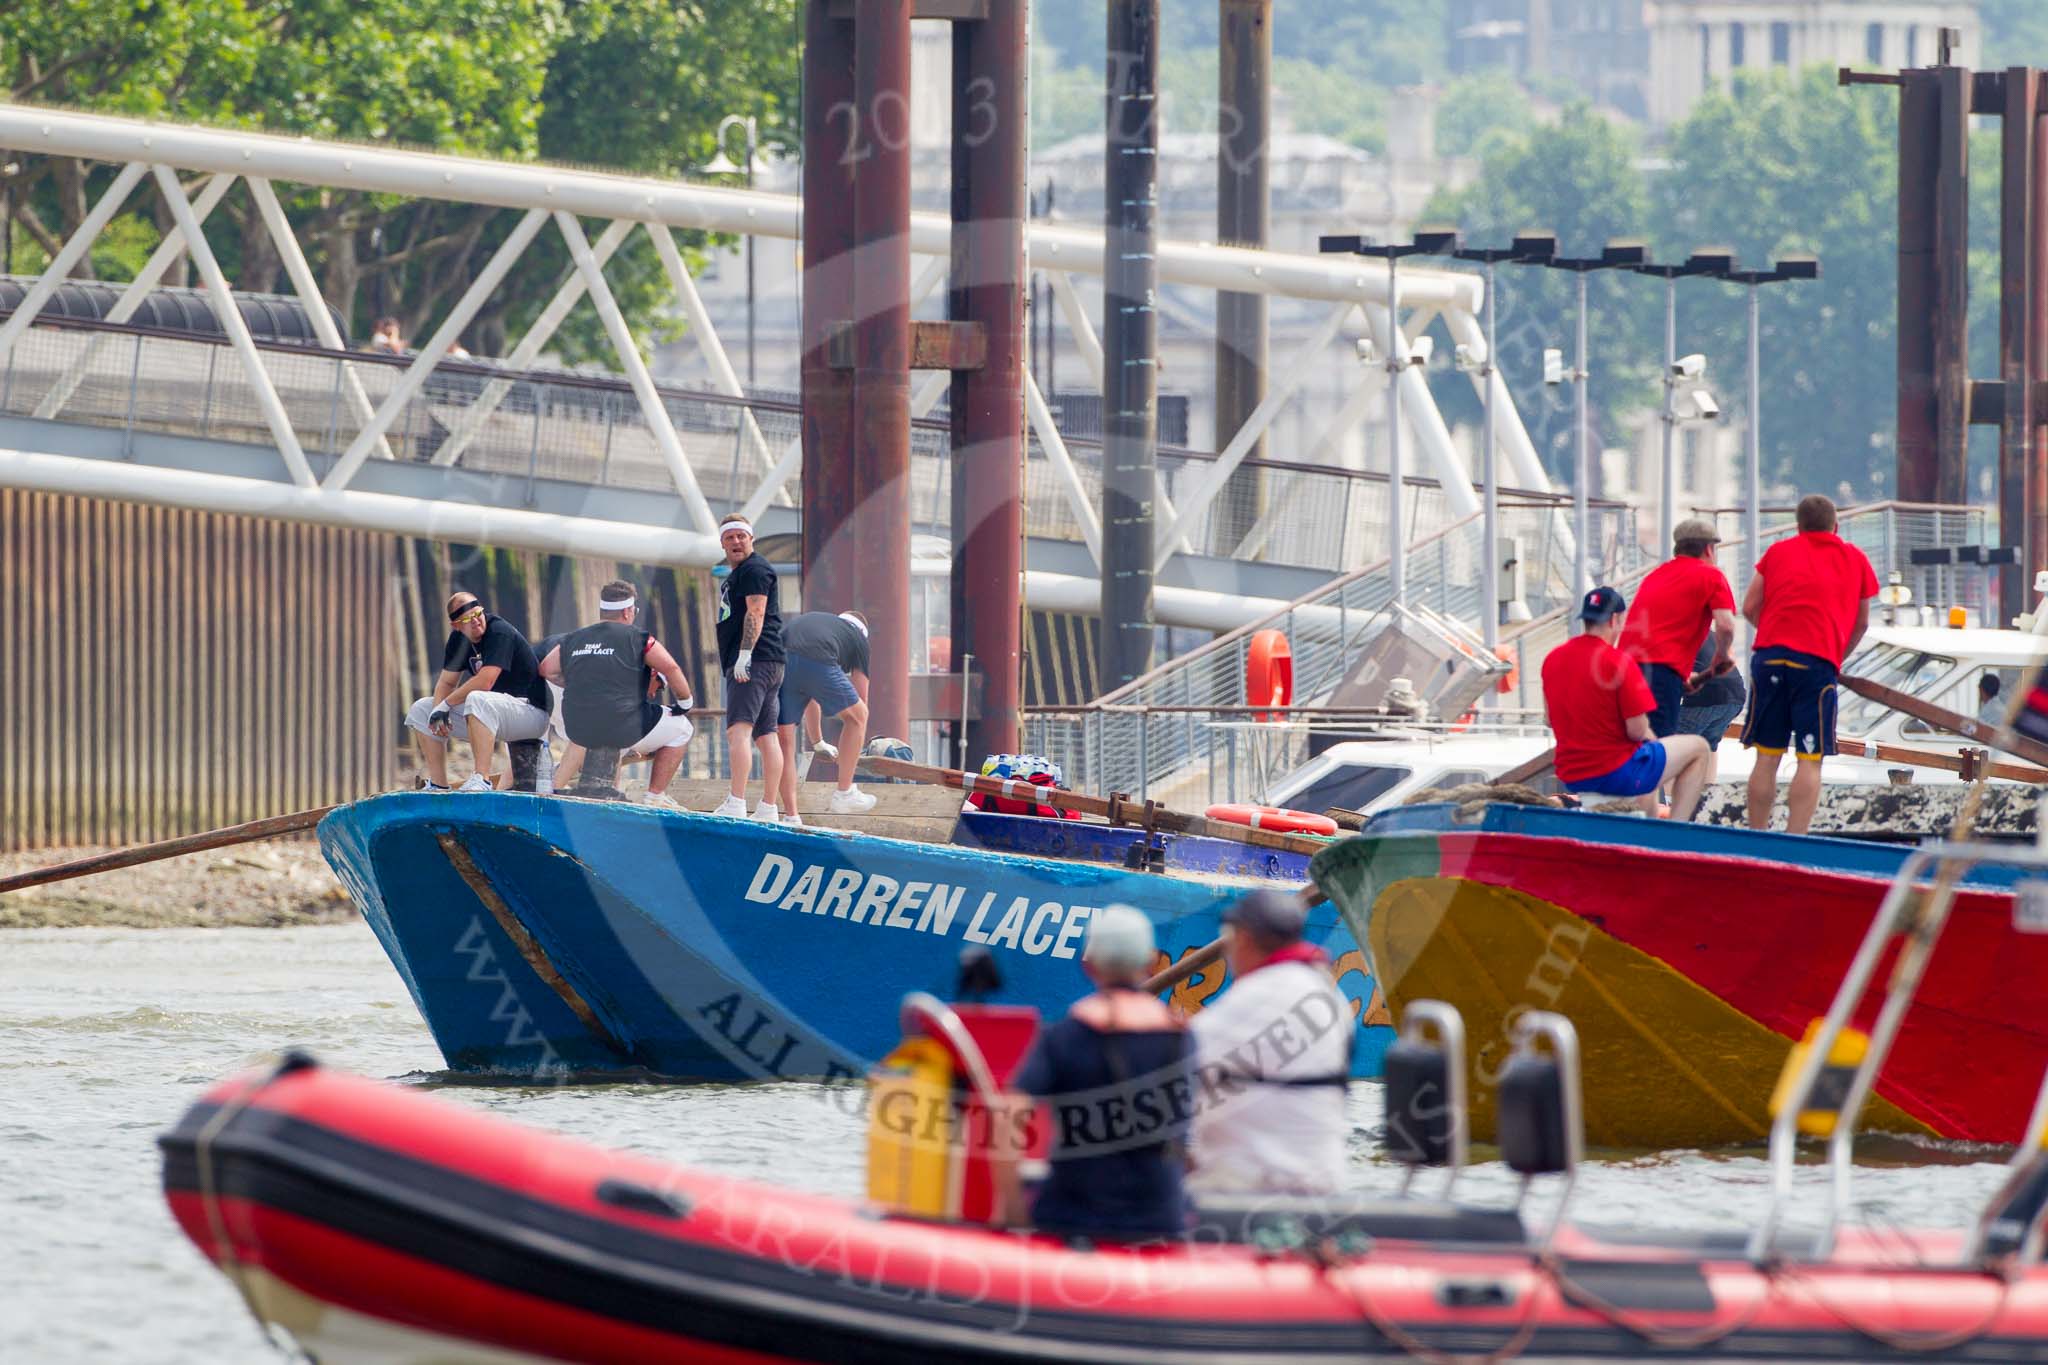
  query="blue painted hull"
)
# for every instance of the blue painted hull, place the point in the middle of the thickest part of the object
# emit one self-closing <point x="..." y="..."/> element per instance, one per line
<point x="1072" y="839"/>
<point x="725" y="950"/>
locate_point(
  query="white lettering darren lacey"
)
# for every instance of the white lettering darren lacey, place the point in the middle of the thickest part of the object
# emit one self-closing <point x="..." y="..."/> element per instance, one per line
<point x="1038" y="929"/>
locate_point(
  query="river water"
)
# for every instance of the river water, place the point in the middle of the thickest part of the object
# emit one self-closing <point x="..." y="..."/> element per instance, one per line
<point x="106" y="1035"/>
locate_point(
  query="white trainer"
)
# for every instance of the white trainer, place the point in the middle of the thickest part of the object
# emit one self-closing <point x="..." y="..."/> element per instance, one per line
<point x="733" y="806"/>
<point x="852" y="801"/>
<point x="767" y="813"/>
<point x="793" y="819"/>
<point x="476" y="782"/>
<point x="660" y="800"/>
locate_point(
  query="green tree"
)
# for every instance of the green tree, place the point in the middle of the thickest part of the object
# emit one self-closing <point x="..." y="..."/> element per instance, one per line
<point x="1783" y="163"/>
<point x="1476" y="105"/>
<point x="1581" y="179"/>
<point x="520" y="79"/>
<point x="2015" y="32"/>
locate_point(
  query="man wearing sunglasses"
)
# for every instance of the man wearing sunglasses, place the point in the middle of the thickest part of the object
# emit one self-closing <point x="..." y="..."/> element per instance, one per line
<point x="491" y="682"/>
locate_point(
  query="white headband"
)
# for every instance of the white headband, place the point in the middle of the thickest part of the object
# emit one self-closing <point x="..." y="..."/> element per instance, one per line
<point x="614" y="603"/>
<point x="856" y="622"/>
<point x="734" y="524"/>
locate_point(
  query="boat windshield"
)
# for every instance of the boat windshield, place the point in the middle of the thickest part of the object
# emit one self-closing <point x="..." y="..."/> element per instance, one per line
<point x="1348" y="786"/>
<point x="1903" y="670"/>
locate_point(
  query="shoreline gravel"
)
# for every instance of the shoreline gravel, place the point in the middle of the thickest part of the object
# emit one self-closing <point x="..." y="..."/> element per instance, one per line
<point x="280" y="883"/>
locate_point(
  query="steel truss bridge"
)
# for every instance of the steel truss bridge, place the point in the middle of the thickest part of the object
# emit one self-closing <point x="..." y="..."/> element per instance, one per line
<point x="510" y="453"/>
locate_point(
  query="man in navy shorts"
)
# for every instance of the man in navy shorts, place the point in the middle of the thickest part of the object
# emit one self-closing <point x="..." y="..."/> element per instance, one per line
<point x="826" y="663"/>
<point x="1600" y="708"/>
<point x="1810" y="604"/>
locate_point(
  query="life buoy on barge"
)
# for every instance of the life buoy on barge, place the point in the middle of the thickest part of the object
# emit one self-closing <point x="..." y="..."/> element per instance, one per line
<point x="1276" y="818"/>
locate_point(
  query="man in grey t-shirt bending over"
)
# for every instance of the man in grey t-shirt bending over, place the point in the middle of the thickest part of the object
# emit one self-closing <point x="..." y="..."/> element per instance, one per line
<point x="826" y="663"/>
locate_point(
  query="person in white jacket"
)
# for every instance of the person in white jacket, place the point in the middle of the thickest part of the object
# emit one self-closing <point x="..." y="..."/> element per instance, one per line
<point x="1273" y="1058"/>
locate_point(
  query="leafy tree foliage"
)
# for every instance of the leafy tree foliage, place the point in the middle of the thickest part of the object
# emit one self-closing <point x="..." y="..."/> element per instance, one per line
<point x="521" y="79"/>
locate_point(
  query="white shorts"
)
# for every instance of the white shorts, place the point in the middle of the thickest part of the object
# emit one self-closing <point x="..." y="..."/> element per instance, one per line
<point x="670" y="732"/>
<point x="507" y="717"/>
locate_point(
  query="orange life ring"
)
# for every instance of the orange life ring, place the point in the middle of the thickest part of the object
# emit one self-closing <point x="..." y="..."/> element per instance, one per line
<point x="1274" y="818"/>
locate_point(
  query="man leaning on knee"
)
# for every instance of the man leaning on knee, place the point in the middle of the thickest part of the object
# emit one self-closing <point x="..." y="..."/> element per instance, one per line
<point x="491" y="682"/>
<point x="1599" y="708"/>
<point x="1809" y="603"/>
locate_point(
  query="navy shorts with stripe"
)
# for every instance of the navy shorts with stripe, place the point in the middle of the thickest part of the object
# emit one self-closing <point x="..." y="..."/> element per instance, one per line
<point x="1791" y="703"/>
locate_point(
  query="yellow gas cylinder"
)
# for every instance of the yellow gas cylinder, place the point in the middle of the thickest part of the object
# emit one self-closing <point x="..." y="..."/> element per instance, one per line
<point x="910" y="1130"/>
<point x="1824" y="1105"/>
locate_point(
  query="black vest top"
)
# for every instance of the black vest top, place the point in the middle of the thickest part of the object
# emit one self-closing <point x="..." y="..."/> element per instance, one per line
<point x="604" y="685"/>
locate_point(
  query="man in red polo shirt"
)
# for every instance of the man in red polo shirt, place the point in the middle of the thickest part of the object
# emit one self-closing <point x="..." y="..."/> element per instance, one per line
<point x="1680" y="601"/>
<point x="1809" y="604"/>
<point x="1599" y="709"/>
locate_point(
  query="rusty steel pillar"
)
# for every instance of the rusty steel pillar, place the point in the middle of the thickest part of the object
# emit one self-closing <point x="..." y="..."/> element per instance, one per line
<point x="2019" y="317"/>
<point x="828" y="267"/>
<point x="1130" y="340"/>
<point x="991" y="163"/>
<point x="1244" y="119"/>
<point x="880" y="551"/>
<point x="2032" y="533"/>
<point x="1933" y="374"/>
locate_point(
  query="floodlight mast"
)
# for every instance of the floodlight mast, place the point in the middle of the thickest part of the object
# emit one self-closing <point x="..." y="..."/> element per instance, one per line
<point x="1619" y="254"/>
<point x="1800" y="267"/>
<point x="1709" y="261"/>
<point x="1427" y="243"/>
<point x="1526" y="248"/>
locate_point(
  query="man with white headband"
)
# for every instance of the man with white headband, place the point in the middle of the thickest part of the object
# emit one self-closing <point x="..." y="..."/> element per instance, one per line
<point x="827" y="667"/>
<point x="750" y="652"/>
<point x="607" y="673"/>
<point x="490" y="682"/>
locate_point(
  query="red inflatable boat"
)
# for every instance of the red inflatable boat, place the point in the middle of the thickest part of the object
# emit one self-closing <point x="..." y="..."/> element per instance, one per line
<point x="374" y="1223"/>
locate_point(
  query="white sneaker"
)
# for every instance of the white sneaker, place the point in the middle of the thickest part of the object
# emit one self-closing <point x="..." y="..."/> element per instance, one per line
<point x="793" y="819"/>
<point x="852" y="801"/>
<point x="660" y="800"/>
<point x="428" y="784"/>
<point x="767" y="813"/>
<point x="476" y="782"/>
<point x="733" y="806"/>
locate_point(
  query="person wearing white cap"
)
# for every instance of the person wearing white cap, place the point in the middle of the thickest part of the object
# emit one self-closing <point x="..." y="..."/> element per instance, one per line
<point x="1274" y="1060"/>
<point x="607" y="674"/>
<point x="1117" y="1075"/>
<point x="826" y="666"/>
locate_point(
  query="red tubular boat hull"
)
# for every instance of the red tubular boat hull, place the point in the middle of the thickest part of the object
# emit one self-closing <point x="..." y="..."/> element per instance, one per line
<point x="349" y="1209"/>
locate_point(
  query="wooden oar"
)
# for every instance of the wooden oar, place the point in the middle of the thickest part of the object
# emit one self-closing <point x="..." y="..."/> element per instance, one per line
<point x="1943" y="719"/>
<point x="225" y="837"/>
<point x="1167" y="978"/>
<point x="1122" y="811"/>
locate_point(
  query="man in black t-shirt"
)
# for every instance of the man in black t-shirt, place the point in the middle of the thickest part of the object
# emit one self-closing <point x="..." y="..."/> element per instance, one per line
<point x="607" y="673"/>
<point x="750" y="653"/>
<point x="827" y="665"/>
<point x="489" y="679"/>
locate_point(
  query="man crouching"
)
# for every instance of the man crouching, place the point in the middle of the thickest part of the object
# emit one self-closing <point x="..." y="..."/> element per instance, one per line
<point x="606" y="672"/>
<point x="489" y="680"/>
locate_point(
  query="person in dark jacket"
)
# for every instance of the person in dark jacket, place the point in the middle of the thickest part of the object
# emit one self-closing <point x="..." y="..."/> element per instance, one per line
<point x="1714" y="697"/>
<point x="1117" y="1074"/>
<point x="608" y="673"/>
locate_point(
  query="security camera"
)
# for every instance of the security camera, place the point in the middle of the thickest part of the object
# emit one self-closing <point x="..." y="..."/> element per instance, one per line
<point x="1469" y="357"/>
<point x="1553" y="366"/>
<point x="1420" y="350"/>
<point x="1697" y="405"/>
<point x="1689" y="367"/>
<point x="1368" y="353"/>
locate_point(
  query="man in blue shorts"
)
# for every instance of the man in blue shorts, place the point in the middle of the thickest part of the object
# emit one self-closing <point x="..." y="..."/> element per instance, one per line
<point x="1600" y="709"/>
<point x="827" y="663"/>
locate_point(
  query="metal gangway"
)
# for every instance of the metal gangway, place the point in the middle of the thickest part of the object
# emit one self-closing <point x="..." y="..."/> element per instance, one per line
<point x="515" y="453"/>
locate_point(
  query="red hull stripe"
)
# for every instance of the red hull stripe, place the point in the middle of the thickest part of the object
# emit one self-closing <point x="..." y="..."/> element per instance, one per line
<point x="1773" y="940"/>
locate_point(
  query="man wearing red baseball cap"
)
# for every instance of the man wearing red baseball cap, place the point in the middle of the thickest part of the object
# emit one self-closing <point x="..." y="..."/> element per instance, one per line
<point x="1600" y="708"/>
<point x="1809" y="603"/>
